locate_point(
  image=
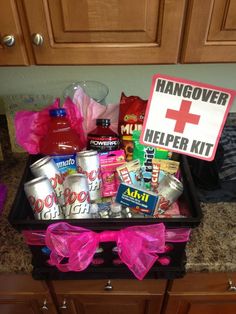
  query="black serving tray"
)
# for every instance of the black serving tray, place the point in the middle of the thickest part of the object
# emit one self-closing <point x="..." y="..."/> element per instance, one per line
<point x="21" y="215"/>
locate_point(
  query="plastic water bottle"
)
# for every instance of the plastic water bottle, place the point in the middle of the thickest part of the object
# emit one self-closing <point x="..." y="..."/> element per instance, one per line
<point x="102" y="138"/>
<point x="61" y="141"/>
<point x="116" y="211"/>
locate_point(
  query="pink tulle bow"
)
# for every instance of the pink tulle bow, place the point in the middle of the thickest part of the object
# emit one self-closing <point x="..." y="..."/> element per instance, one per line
<point x="138" y="246"/>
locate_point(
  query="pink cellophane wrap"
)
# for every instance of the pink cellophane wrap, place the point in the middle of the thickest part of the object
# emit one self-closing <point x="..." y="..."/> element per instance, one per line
<point x="31" y="126"/>
<point x="91" y="110"/>
<point x="82" y="112"/>
<point x="138" y="246"/>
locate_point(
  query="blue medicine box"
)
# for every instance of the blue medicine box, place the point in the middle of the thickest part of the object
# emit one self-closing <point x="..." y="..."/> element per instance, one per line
<point x="137" y="198"/>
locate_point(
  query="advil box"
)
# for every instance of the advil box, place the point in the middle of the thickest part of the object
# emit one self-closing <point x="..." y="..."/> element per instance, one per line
<point x="141" y="199"/>
<point x="185" y="117"/>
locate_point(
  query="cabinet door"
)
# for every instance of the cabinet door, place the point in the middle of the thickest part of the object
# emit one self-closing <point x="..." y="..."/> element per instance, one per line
<point x="115" y="297"/>
<point x="21" y="294"/>
<point x="105" y="32"/>
<point x="210" y="32"/>
<point x="201" y="293"/>
<point x="12" y="46"/>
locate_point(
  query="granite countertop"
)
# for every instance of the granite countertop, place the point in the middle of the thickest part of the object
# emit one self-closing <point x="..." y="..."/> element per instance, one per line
<point x="212" y="246"/>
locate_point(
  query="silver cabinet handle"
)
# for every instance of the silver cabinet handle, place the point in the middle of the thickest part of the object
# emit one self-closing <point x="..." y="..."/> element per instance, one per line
<point x="44" y="307"/>
<point x="37" y="39"/>
<point x="108" y="286"/>
<point x="64" y="305"/>
<point x="9" y="40"/>
<point x="232" y="286"/>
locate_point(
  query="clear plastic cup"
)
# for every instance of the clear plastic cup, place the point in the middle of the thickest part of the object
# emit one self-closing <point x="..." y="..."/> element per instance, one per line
<point x="94" y="89"/>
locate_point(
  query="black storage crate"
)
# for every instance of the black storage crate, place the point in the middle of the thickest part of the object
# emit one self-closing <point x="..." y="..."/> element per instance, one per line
<point x="21" y="218"/>
<point x="109" y="270"/>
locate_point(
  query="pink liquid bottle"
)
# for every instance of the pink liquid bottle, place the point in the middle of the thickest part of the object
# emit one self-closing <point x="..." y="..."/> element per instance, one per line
<point x="61" y="141"/>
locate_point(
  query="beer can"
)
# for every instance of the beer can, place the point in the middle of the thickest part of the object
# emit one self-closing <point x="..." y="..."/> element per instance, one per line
<point x="76" y="195"/>
<point x="169" y="190"/>
<point x="88" y="163"/>
<point x="43" y="199"/>
<point x="46" y="166"/>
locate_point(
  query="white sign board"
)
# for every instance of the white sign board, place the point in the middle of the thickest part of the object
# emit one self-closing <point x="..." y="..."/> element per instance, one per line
<point x="185" y="116"/>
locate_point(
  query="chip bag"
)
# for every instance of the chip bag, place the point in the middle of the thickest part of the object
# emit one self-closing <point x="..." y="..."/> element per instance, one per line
<point x="131" y="115"/>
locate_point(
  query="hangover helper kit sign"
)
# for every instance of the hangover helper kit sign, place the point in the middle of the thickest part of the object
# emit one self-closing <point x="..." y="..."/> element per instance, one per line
<point x="185" y="116"/>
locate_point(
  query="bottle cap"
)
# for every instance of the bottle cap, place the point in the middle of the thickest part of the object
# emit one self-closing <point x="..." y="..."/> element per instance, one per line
<point x="93" y="208"/>
<point x="127" y="212"/>
<point x="58" y="112"/>
<point x="115" y="207"/>
<point x="103" y="122"/>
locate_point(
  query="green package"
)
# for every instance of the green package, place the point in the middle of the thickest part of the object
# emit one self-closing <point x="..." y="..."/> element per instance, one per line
<point x="145" y="154"/>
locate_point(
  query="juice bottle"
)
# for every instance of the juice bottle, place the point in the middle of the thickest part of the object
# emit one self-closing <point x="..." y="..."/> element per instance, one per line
<point x="102" y="138"/>
<point x="61" y="141"/>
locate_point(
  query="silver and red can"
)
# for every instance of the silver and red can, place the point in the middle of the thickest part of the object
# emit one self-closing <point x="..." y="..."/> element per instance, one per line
<point x="46" y="166"/>
<point x="43" y="199"/>
<point x="169" y="190"/>
<point x="76" y="195"/>
<point x="88" y="163"/>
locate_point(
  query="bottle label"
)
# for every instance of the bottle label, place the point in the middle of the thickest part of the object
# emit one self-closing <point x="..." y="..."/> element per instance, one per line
<point x="66" y="164"/>
<point x="103" y="143"/>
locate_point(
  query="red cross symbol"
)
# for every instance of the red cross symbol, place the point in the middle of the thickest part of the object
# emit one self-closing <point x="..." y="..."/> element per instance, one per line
<point x="182" y="116"/>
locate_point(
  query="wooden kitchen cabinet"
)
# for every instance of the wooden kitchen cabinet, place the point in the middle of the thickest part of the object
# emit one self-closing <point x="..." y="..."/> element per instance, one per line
<point x="104" y="297"/>
<point x="21" y="294"/>
<point x="12" y="44"/>
<point x="204" y="293"/>
<point x="80" y="32"/>
<point x="210" y="32"/>
<point x="105" y="32"/>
